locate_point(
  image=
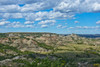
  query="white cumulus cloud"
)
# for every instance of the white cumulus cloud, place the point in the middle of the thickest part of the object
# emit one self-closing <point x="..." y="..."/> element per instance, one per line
<point x="44" y="26"/>
<point x="98" y="22"/>
<point x="47" y="22"/>
<point x="4" y="23"/>
<point x="29" y="22"/>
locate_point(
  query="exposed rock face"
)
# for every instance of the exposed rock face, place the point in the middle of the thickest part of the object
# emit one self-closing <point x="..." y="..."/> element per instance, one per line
<point x="26" y="45"/>
<point x="2" y="54"/>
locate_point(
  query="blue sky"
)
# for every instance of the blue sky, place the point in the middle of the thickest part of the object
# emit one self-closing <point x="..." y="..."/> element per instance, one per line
<point x="55" y="16"/>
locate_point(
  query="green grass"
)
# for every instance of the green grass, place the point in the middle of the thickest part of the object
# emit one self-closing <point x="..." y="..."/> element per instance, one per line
<point x="42" y="63"/>
<point x="3" y="48"/>
<point x="77" y="47"/>
<point x="3" y="35"/>
<point x="43" y="45"/>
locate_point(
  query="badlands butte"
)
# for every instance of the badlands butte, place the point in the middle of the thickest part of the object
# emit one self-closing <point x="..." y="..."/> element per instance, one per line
<point x="20" y="49"/>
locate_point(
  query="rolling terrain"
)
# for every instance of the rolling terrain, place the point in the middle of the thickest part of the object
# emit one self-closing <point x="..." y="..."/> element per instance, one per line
<point x="20" y="49"/>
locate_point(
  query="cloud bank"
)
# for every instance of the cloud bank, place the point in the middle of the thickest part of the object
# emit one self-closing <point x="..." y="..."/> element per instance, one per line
<point x="46" y="12"/>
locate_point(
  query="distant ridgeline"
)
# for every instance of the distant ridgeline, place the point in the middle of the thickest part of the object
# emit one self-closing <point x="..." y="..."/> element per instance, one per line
<point x="44" y="34"/>
<point x="90" y="35"/>
<point x="22" y="34"/>
<point x="86" y="35"/>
